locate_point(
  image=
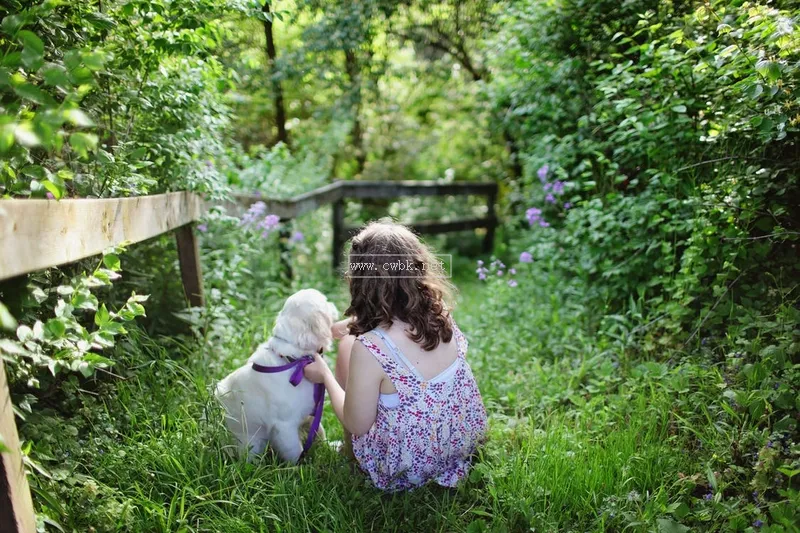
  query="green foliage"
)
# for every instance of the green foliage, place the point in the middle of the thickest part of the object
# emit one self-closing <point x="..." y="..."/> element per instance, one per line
<point x="112" y="99"/>
<point x="675" y="132"/>
<point x="69" y="339"/>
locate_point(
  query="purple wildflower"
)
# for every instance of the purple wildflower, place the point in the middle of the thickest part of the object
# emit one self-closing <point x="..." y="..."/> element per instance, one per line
<point x="558" y="187"/>
<point x="758" y="523"/>
<point x="543" y="223"/>
<point x="567" y="205"/>
<point x="269" y="223"/>
<point x="512" y="271"/>
<point x="550" y="198"/>
<point x="512" y="283"/>
<point x="525" y="257"/>
<point x="481" y="276"/>
<point x="256" y="211"/>
<point x="202" y="228"/>
<point x="50" y="196"/>
<point x="480" y="263"/>
<point x="499" y="272"/>
<point x="548" y="186"/>
<point x="709" y="496"/>
<point x="542" y="173"/>
<point x="534" y="214"/>
<point x="297" y="236"/>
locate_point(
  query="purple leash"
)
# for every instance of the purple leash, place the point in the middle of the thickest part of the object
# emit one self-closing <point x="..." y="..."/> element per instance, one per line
<point x="295" y="379"/>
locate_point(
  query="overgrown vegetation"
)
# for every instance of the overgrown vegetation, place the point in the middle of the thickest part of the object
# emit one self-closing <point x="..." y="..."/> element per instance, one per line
<point x="635" y="334"/>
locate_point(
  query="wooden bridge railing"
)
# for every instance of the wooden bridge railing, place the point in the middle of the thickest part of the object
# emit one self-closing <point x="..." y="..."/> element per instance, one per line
<point x="338" y="192"/>
<point x="39" y="234"/>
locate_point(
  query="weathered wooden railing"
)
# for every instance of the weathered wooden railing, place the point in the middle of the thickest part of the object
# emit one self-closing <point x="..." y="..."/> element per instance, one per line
<point x="39" y="234"/>
<point x="339" y="192"/>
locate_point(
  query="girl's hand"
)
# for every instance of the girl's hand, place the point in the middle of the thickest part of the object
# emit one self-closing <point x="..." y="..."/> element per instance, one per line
<point x="339" y="329"/>
<point x="317" y="371"/>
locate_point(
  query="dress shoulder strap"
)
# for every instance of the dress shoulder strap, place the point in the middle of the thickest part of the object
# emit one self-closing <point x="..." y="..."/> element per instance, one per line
<point x="396" y="353"/>
<point x="402" y="377"/>
<point x="461" y="341"/>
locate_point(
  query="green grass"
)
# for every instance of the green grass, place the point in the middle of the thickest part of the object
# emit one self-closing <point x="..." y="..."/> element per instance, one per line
<point x="580" y="440"/>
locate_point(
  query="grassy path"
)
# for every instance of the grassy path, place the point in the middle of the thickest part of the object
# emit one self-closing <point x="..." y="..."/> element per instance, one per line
<point x="573" y="446"/>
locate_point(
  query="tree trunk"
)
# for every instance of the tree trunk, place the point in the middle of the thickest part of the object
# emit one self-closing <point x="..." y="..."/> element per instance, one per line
<point x="351" y="65"/>
<point x="277" y="90"/>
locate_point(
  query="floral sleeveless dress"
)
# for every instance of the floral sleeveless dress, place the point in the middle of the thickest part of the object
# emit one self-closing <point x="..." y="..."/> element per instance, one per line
<point x="434" y="430"/>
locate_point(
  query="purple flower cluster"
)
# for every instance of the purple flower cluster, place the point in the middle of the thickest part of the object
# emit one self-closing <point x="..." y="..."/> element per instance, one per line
<point x="256" y="211"/>
<point x="525" y="257"/>
<point x="542" y="173"/>
<point x="254" y="216"/>
<point x="297" y="236"/>
<point x="534" y="216"/>
<point x="554" y="190"/>
<point x="497" y="268"/>
<point x="269" y="223"/>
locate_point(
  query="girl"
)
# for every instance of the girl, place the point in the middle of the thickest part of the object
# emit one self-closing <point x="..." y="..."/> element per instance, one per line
<point x="404" y="391"/>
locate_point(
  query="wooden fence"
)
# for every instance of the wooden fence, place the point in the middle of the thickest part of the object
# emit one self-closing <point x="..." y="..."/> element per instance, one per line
<point x="39" y="234"/>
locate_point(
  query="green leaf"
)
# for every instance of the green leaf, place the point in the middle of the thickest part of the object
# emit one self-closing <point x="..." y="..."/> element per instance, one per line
<point x="11" y="24"/>
<point x="78" y="118"/>
<point x="7" y="321"/>
<point x="55" y="76"/>
<point x="679" y="108"/>
<point x="6" y="137"/>
<point x="712" y="479"/>
<point x="94" y="60"/>
<point x="32" y="41"/>
<point x="111" y="261"/>
<point x="56" y="328"/>
<point x="56" y="190"/>
<point x="102" y="317"/>
<point x="25" y="135"/>
<point x="668" y="525"/>
<point x="33" y="51"/>
<point x="31" y="92"/>
<point x="83" y="143"/>
<point x="771" y="70"/>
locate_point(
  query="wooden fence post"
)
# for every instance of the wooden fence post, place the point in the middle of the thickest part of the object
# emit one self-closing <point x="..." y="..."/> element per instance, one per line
<point x="189" y="259"/>
<point x="16" y="507"/>
<point x="284" y="234"/>
<point x="339" y="235"/>
<point x="488" y="239"/>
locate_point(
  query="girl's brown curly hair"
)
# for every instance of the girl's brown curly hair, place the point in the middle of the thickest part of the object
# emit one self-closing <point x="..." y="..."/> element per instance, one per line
<point x="382" y="291"/>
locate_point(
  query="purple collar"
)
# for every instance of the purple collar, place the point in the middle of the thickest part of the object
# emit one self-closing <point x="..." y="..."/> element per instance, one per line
<point x="295" y="379"/>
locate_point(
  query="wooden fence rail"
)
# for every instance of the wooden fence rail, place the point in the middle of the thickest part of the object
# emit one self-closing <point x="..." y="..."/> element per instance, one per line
<point x="39" y="234"/>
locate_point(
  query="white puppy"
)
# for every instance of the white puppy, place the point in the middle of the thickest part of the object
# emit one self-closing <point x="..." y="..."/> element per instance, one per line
<point x="264" y="408"/>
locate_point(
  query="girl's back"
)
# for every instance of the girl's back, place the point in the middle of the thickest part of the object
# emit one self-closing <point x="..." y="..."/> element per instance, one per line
<point x="430" y="415"/>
